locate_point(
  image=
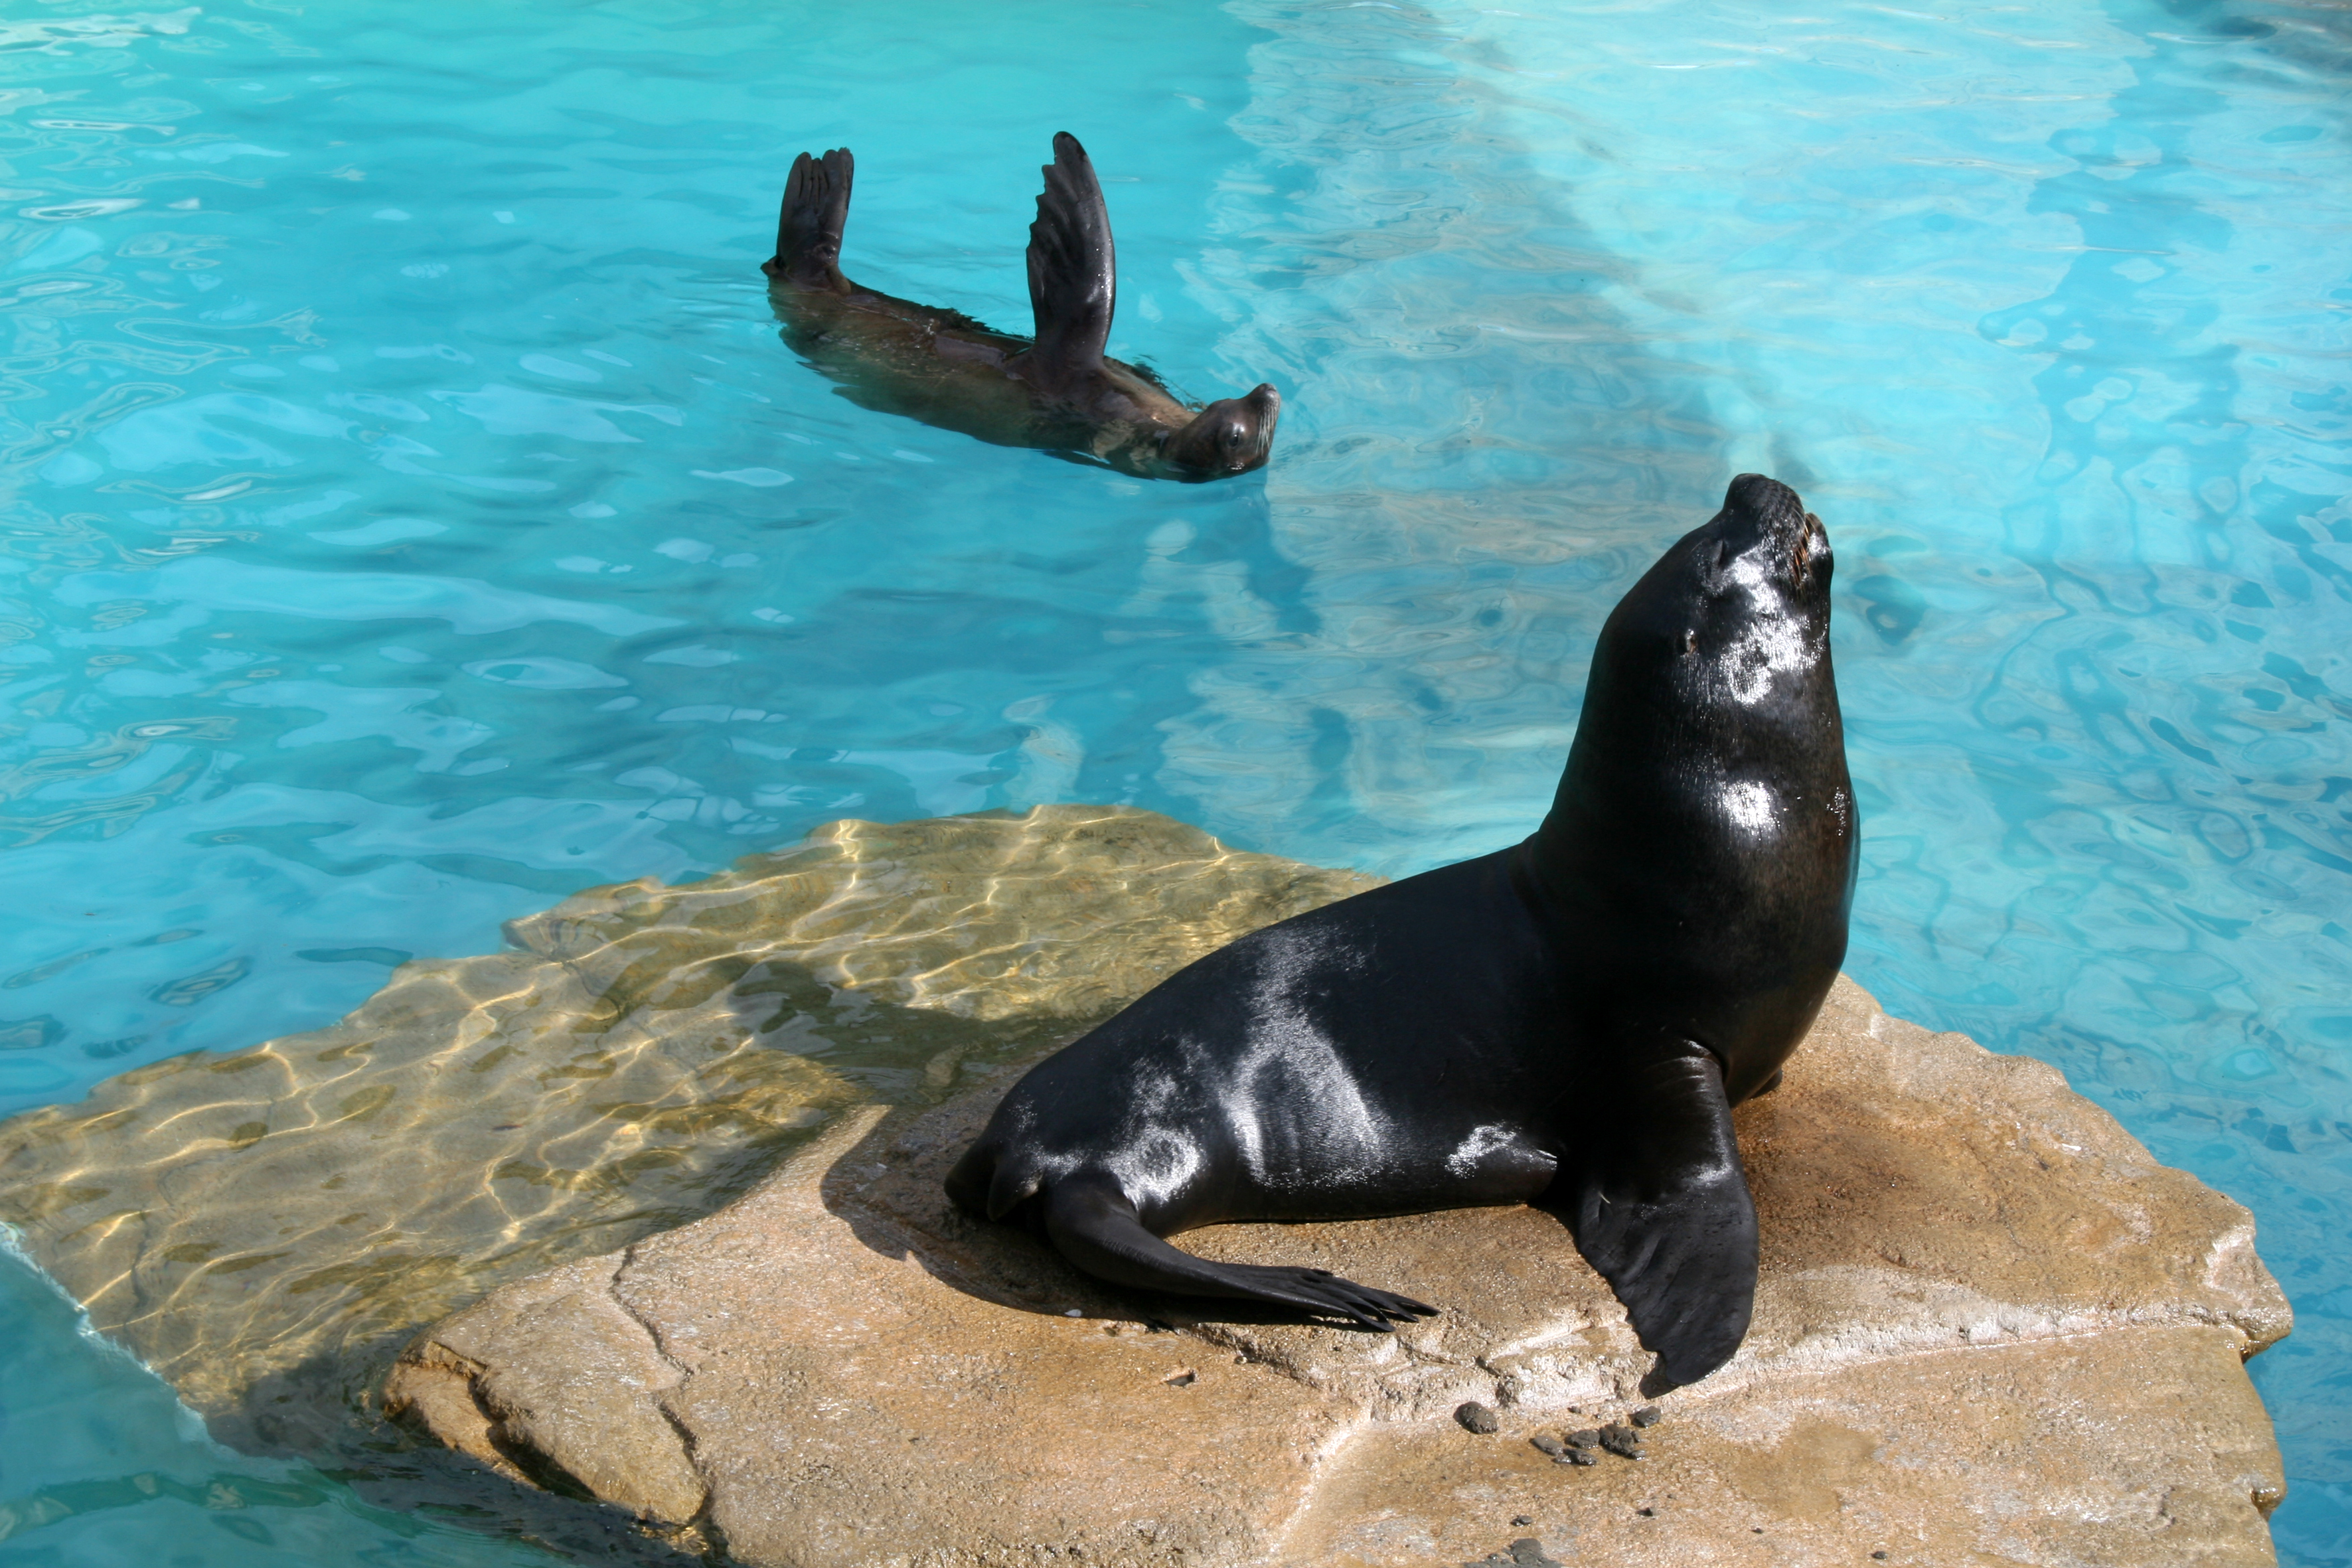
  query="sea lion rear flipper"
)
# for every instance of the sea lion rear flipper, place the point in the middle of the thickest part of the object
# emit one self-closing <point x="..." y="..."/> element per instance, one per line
<point x="815" y="211"/>
<point x="1073" y="283"/>
<point x="1094" y="1226"/>
<point x="1661" y="1210"/>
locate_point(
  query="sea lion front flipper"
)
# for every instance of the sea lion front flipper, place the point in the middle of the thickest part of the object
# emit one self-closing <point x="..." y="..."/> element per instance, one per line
<point x="1073" y="281"/>
<point x="1093" y="1225"/>
<point x="1661" y="1210"/>
<point x="809" y="228"/>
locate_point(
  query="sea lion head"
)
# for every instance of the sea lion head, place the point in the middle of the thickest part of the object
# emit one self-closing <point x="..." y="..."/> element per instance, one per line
<point x="1742" y="603"/>
<point x="1711" y="727"/>
<point x="1230" y="436"/>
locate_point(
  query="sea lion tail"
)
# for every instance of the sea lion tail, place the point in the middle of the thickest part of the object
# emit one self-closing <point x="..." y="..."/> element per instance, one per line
<point x="988" y="1185"/>
<point x="815" y="211"/>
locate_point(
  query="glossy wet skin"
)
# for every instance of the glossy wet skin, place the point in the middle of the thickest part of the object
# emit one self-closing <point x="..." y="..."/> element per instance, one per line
<point x="1058" y="390"/>
<point x="941" y="367"/>
<point x="1230" y="436"/>
<point x="1711" y="750"/>
<point x="1565" y="1022"/>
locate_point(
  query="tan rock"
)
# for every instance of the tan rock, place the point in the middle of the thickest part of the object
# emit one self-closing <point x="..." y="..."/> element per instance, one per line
<point x="2124" y="1446"/>
<point x="266" y="1229"/>
<point x="1989" y="1329"/>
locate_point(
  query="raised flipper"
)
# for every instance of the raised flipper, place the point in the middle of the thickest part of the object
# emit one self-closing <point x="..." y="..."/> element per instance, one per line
<point x="1092" y="1224"/>
<point x="808" y="229"/>
<point x="1073" y="273"/>
<point x="1661" y="1208"/>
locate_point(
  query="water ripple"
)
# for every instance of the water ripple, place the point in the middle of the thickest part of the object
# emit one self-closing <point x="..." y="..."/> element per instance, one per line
<point x="411" y="515"/>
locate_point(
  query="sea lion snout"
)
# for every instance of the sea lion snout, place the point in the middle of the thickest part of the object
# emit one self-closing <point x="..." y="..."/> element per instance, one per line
<point x="1230" y="436"/>
<point x="1741" y="605"/>
<point x="1763" y="559"/>
<point x="1764" y="498"/>
<point x="1763" y="518"/>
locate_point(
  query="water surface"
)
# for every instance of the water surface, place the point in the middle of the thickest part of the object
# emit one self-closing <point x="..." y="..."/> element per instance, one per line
<point x="413" y="517"/>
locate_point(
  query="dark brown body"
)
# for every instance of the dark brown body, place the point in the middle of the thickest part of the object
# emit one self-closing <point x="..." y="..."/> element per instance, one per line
<point x="943" y="368"/>
<point x="1057" y="391"/>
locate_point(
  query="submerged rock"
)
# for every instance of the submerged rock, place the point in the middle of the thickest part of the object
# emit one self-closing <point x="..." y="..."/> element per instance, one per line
<point x="265" y="1228"/>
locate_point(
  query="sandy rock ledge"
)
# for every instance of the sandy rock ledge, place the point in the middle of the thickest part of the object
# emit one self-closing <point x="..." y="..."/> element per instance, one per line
<point x="717" y="1287"/>
<point x="1991" y="1330"/>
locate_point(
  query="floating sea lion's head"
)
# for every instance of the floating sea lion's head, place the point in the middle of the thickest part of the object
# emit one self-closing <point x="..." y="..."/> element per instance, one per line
<point x="1230" y="436"/>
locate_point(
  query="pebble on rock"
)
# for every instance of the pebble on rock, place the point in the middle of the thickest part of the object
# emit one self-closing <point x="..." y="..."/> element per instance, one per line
<point x="1648" y="1416"/>
<point x="1583" y="1437"/>
<point x="1476" y="1417"/>
<point x="1622" y="1441"/>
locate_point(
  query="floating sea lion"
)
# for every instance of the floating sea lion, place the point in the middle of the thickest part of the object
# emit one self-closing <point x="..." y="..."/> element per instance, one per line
<point x="1057" y="392"/>
<point x="1566" y="1023"/>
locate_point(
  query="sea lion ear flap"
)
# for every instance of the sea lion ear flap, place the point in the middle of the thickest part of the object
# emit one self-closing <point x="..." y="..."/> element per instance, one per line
<point x="1662" y="1211"/>
<point x="1072" y="269"/>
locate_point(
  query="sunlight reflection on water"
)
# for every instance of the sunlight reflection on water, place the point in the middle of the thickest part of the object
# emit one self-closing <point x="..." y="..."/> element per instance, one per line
<point x="415" y="518"/>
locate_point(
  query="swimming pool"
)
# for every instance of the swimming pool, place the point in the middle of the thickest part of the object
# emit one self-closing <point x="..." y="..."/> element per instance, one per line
<point x="414" y="517"/>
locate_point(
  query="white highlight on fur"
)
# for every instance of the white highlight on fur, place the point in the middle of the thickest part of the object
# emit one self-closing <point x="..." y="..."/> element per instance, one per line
<point x="1291" y="1066"/>
<point x="1749" y="804"/>
<point x="1483" y="1140"/>
<point x="1156" y="1167"/>
<point x="1773" y="640"/>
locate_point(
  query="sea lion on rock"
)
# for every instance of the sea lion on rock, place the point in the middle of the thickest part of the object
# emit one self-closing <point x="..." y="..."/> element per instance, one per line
<point x="1566" y="1023"/>
<point x="1059" y="391"/>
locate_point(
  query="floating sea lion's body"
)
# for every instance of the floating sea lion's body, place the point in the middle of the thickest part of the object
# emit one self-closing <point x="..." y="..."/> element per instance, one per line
<point x="1059" y="391"/>
<point x="1565" y="1023"/>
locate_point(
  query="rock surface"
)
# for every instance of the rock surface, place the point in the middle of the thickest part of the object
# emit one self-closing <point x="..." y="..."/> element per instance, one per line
<point x="1990" y="1329"/>
<point x="266" y="1229"/>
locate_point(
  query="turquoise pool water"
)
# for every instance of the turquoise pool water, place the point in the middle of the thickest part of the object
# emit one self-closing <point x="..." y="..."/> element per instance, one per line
<point x="411" y="516"/>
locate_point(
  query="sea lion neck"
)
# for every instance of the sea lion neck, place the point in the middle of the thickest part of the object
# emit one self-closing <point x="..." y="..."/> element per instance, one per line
<point x="1710" y="711"/>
